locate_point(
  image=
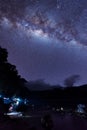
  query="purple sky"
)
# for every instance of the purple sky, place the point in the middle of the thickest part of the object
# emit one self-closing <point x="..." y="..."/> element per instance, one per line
<point x="46" y="39"/>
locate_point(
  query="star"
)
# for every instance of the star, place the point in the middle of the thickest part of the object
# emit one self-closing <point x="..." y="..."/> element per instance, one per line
<point x="45" y="38"/>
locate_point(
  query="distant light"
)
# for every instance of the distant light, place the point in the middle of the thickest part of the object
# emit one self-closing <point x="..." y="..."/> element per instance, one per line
<point x="61" y="109"/>
<point x="1" y="96"/>
<point x="25" y="101"/>
<point x="80" y="108"/>
<point x="57" y="109"/>
<point x="14" y="114"/>
<point x="16" y="99"/>
<point x="6" y="100"/>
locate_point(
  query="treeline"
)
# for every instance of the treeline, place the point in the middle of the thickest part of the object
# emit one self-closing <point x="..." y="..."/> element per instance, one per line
<point x="11" y="83"/>
<point x="70" y="95"/>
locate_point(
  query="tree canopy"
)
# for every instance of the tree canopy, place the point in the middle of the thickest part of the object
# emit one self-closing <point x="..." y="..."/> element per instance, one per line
<point x="10" y="81"/>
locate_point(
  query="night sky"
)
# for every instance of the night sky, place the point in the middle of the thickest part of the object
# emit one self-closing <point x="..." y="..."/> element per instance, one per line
<point x="46" y="39"/>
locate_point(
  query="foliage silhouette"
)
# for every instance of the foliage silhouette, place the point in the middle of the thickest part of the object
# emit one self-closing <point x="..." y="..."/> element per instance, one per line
<point x="10" y="81"/>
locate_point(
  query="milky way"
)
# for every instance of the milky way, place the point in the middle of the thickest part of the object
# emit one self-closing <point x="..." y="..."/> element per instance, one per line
<point x="45" y="39"/>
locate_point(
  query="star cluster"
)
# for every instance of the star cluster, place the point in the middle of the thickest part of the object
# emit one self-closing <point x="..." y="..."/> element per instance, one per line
<point x="60" y="25"/>
<point x="35" y="17"/>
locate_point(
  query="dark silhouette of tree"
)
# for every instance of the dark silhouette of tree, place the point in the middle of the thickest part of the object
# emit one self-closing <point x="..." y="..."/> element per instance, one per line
<point x="3" y="55"/>
<point x="70" y="81"/>
<point x="10" y="81"/>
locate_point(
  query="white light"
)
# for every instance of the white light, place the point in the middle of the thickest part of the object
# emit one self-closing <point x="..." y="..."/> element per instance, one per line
<point x="61" y="108"/>
<point x="39" y="33"/>
<point x="14" y="114"/>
